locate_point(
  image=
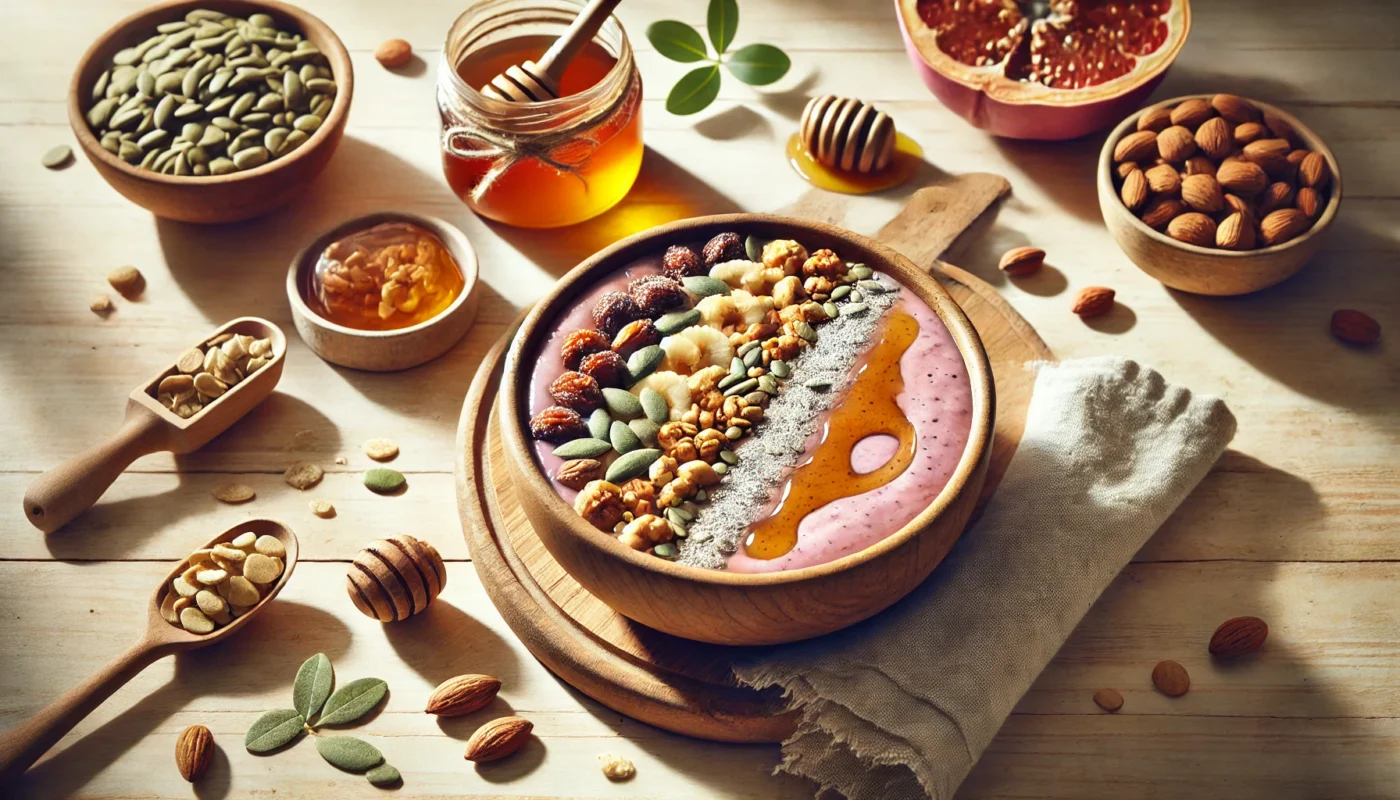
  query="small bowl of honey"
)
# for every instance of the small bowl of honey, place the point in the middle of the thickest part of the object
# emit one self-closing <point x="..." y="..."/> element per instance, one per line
<point x="385" y="291"/>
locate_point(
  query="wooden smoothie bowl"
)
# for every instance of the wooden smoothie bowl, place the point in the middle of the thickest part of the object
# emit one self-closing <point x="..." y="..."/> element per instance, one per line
<point x="714" y="605"/>
<point x="213" y="198"/>
<point x="1211" y="270"/>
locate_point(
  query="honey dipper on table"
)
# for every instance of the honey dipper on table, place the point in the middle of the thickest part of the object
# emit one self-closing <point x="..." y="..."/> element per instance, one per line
<point x="538" y="81"/>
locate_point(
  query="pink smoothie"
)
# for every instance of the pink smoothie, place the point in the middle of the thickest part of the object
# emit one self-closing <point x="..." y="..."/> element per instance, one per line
<point x="937" y="399"/>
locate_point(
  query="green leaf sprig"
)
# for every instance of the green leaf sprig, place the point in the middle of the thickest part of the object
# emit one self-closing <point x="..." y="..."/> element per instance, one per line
<point x="755" y="64"/>
<point x="313" y="700"/>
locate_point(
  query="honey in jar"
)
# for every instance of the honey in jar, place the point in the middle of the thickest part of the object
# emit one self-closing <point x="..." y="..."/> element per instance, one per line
<point x="538" y="165"/>
<point x="390" y="276"/>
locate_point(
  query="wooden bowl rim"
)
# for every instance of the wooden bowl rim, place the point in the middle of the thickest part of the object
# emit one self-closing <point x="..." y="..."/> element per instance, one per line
<point x="515" y="384"/>
<point x="451" y="237"/>
<point x="142" y="393"/>
<point x="1314" y="142"/>
<point x="105" y="45"/>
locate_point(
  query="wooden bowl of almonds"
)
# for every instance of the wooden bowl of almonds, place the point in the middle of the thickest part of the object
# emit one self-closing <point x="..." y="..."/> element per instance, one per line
<point x="212" y="111"/>
<point x="1217" y="194"/>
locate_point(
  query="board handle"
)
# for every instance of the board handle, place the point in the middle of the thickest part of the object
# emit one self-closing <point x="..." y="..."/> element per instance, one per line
<point x="21" y="747"/>
<point x="73" y="487"/>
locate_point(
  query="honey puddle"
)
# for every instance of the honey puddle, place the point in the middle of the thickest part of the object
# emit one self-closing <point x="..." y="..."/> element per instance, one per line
<point x="907" y="157"/>
<point x="869" y="410"/>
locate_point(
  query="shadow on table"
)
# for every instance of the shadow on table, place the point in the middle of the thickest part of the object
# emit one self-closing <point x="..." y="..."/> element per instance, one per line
<point x="241" y="670"/>
<point x="439" y="641"/>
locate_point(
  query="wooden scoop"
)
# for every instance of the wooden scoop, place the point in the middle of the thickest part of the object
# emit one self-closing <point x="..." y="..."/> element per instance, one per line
<point x="68" y="490"/>
<point x="536" y="82"/>
<point x="848" y="134"/>
<point x="21" y="747"/>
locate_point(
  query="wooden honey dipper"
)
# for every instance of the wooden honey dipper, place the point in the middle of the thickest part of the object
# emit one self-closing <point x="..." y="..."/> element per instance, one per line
<point x="538" y="81"/>
<point x="848" y="134"/>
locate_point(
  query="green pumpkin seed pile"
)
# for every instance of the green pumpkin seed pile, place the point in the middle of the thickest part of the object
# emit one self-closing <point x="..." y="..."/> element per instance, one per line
<point x="211" y="94"/>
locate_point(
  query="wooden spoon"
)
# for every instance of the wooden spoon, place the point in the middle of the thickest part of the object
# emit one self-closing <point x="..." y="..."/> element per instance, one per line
<point x="538" y="81"/>
<point x="71" y="488"/>
<point x="21" y="747"/>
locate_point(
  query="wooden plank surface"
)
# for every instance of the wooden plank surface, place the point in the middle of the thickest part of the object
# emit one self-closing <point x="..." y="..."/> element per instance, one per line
<point x="1299" y="523"/>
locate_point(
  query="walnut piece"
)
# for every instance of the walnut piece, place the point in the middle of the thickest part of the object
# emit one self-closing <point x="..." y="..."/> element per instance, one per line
<point x="600" y="503"/>
<point x="637" y="496"/>
<point x="784" y="254"/>
<point x="645" y="531"/>
<point x="824" y="263"/>
<point x="616" y="768"/>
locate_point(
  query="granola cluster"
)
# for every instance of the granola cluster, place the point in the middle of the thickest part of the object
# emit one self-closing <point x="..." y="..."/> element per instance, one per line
<point x="678" y="370"/>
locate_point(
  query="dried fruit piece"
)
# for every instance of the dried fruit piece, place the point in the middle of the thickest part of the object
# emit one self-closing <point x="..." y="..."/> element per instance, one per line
<point x="194" y="749"/>
<point x="1093" y="301"/>
<point x="303" y="475"/>
<point x="616" y="768"/>
<point x="657" y="294"/>
<point x="1108" y="699"/>
<point x="1171" y="679"/>
<point x="1193" y="228"/>
<point x="380" y="449"/>
<point x="726" y="246"/>
<point x="1022" y="261"/>
<point x="577" y="391"/>
<point x="463" y="694"/>
<point x="607" y="368"/>
<point x="614" y="310"/>
<point x="1355" y="327"/>
<point x="682" y="262"/>
<point x="1237" y="637"/>
<point x="558" y="424"/>
<point x="579" y="472"/>
<point x="234" y="493"/>
<point x="634" y="336"/>
<point x="580" y="344"/>
<point x="393" y="53"/>
<point x="128" y="281"/>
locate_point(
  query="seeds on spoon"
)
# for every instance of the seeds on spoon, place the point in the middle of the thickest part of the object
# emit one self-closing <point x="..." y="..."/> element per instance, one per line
<point x="205" y="373"/>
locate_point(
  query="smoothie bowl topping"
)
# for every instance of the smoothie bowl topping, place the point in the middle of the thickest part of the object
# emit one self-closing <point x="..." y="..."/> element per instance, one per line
<point x="749" y="405"/>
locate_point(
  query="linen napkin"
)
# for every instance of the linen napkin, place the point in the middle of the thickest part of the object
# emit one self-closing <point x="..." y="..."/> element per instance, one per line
<point x="902" y="705"/>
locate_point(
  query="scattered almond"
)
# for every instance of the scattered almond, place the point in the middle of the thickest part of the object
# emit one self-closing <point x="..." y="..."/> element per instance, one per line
<point x="1171" y="679"/>
<point x="393" y="53"/>
<point x="128" y="281"/>
<point x="1355" y="327"/>
<point x="1238" y="637"/>
<point x="194" y="749"/>
<point x="498" y="739"/>
<point x="1021" y="261"/>
<point x="1093" y="301"/>
<point x="463" y="694"/>
<point x="1108" y="699"/>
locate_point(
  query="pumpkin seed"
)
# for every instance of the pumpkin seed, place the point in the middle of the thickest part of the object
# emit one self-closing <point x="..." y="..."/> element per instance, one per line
<point x="307" y="123"/>
<point x="630" y="465"/>
<point x="211" y="137"/>
<point x="583" y="448"/>
<point x="704" y="285"/>
<point x="56" y="157"/>
<point x="753" y="358"/>
<point x="753" y="247"/>
<point x="722" y="467"/>
<point x="646" y="430"/>
<point x="665" y="550"/>
<point x="729" y="380"/>
<point x="383" y="775"/>
<point x="645" y="361"/>
<point x="622" y="404"/>
<point x="861" y="271"/>
<point x="832" y="312"/>
<point x="701" y="496"/>
<point x="768" y="384"/>
<point x="251" y="157"/>
<point x="295" y="139"/>
<point x="729" y="457"/>
<point x="152" y="139"/>
<point x="100" y="87"/>
<point x="98" y="115"/>
<point x="275" y="139"/>
<point x="857" y="296"/>
<point x="780" y="368"/>
<point x="853" y="308"/>
<point x="871" y="286"/>
<point x="742" y="388"/>
<point x="747" y="346"/>
<point x="222" y="166"/>
<point x="840" y="292"/>
<point x="599" y="423"/>
<point x="383" y="480"/>
<point x="676" y="321"/>
<point x="736" y="367"/>
<point x="677" y="527"/>
<point x="818" y="385"/>
<point x="805" y="330"/>
<point x="655" y="406"/>
<point x="253" y="118"/>
<point x="622" y="438"/>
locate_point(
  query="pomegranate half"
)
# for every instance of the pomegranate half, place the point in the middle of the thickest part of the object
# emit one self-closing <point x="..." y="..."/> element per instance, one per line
<point x="1043" y="69"/>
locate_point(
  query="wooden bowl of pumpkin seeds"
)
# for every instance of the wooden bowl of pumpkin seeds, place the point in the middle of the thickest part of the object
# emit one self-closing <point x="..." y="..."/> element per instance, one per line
<point x="212" y="110"/>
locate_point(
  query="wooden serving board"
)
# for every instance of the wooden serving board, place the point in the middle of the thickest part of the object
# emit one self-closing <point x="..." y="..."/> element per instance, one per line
<point x="677" y="684"/>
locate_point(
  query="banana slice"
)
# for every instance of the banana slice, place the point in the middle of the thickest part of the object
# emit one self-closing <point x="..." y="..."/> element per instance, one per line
<point x="672" y="386"/>
<point x="750" y="276"/>
<point x="695" y="348"/>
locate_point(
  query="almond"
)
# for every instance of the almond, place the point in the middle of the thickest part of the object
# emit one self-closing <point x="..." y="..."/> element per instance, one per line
<point x="1136" y="146"/>
<point x="1202" y="193"/>
<point x="1239" y="205"/>
<point x="1125" y="169"/>
<point x="1236" y="232"/>
<point x="1214" y="138"/>
<point x="1355" y="327"/>
<point x="1193" y="228"/>
<point x="1281" y="225"/>
<point x="1176" y="144"/>
<point x="1242" y="177"/>
<point x="1093" y="301"/>
<point x="1108" y="699"/>
<point x="1134" y="191"/>
<point x="1171" y="679"/>
<point x="193" y="752"/>
<point x="1248" y="132"/>
<point x="1161" y="210"/>
<point x="1234" y="108"/>
<point x="498" y="738"/>
<point x="1278" y="126"/>
<point x="1313" y="172"/>
<point x="1157" y="120"/>
<point x="1200" y="165"/>
<point x="1163" y="179"/>
<point x="1021" y="261"/>
<point x="1264" y="151"/>
<point x="393" y="53"/>
<point x="1238" y="637"/>
<point x="1309" y="202"/>
<point x="462" y="695"/>
<point x="1191" y="113"/>
<point x="1278" y="195"/>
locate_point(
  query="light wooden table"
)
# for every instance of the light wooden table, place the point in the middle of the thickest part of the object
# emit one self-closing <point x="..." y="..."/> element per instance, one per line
<point x="1299" y="523"/>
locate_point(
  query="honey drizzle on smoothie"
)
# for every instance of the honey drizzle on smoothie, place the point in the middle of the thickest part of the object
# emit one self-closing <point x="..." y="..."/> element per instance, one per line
<point x="869" y="410"/>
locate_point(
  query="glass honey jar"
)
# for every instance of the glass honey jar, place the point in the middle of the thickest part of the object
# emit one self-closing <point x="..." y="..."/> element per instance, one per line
<point x="538" y="165"/>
